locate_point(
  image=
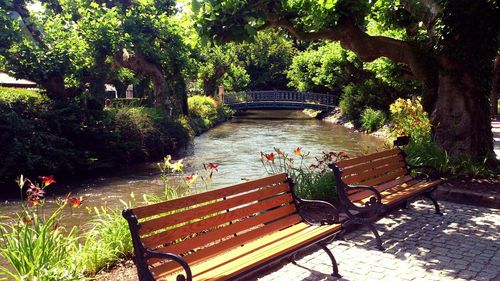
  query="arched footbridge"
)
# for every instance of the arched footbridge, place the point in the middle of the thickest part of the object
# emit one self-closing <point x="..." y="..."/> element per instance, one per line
<point x="279" y="100"/>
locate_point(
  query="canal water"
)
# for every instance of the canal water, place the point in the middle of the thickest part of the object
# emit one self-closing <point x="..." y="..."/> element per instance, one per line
<point x="235" y="146"/>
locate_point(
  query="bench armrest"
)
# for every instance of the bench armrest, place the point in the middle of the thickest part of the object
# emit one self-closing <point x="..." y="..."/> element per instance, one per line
<point x="304" y="204"/>
<point x="434" y="173"/>
<point x="369" y="188"/>
<point x="178" y="259"/>
<point x="374" y="204"/>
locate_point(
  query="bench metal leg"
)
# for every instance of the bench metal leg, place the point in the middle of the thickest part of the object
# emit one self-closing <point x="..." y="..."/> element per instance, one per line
<point x="436" y="205"/>
<point x="406" y="205"/>
<point x="334" y="262"/>
<point x="377" y="236"/>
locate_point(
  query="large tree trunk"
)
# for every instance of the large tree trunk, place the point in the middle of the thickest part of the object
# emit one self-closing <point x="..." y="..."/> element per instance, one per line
<point x="140" y="65"/>
<point x="460" y="122"/>
<point x="210" y="83"/>
<point x="495" y="87"/>
<point x="54" y="84"/>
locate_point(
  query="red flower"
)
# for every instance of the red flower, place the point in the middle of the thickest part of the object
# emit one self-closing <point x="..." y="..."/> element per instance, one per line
<point x="47" y="180"/>
<point x="270" y="156"/>
<point x="211" y="167"/>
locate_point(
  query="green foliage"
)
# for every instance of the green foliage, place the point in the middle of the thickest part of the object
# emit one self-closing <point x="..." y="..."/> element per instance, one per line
<point x="371" y="93"/>
<point x="129" y="102"/>
<point x="105" y="244"/>
<point x="266" y="60"/>
<point x="323" y="69"/>
<point x="71" y="47"/>
<point x="410" y="119"/>
<point x="372" y="120"/>
<point x="205" y="112"/>
<point x="202" y="107"/>
<point x="315" y="181"/>
<point x="78" y="137"/>
<point x="13" y="97"/>
<point x="39" y="249"/>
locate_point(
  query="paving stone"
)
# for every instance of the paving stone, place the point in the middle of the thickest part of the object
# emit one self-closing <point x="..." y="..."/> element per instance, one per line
<point x="462" y="245"/>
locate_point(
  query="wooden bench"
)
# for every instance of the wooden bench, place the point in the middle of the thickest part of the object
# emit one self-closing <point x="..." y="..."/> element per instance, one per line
<point x="228" y="233"/>
<point x="369" y="185"/>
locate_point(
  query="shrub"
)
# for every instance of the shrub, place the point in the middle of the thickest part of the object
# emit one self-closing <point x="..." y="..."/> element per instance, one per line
<point x="410" y="119"/>
<point x="205" y="112"/>
<point x="371" y="93"/>
<point x="55" y="137"/>
<point x="372" y="120"/>
<point x="202" y="107"/>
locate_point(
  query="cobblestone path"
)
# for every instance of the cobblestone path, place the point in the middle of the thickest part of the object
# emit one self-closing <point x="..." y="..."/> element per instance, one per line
<point x="464" y="244"/>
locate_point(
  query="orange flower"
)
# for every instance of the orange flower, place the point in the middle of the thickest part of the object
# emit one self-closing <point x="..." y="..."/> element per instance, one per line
<point x="33" y="201"/>
<point x="270" y="156"/>
<point x="47" y="180"/>
<point x="73" y="201"/>
<point x="298" y="151"/>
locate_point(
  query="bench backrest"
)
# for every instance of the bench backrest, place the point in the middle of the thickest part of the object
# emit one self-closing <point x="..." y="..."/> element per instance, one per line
<point x="202" y="225"/>
<point x="372" y="170"/>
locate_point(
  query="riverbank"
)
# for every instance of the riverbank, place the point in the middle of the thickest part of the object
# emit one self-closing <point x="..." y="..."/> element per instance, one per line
<point x="78" y="139"/>
<point x="336" y="117"/>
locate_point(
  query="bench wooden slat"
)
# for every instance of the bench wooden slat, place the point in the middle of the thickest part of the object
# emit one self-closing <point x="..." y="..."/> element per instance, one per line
<point x="404" y="181"/>
<point x="231" y="243"/>
<point x="401" y="193"/>
<point x="370" y="165"/>
<point x="168" y="206"/>
<point x="210" y="209"/>
<point x="218" y="233"/>
<point x="363" y="159"/>
<point x="206" y="225"/>
<point x="260" y="251"/>
<point x="205" y="238"/>
<point x="385" y="178"/>
<point x="375" y="173"/>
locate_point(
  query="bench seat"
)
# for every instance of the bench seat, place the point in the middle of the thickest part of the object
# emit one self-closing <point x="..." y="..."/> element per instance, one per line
<point x="228" y="233"/>
<point x="256" y="253"/>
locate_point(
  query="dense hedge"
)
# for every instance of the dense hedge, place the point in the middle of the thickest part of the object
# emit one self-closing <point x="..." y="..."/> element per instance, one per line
<point x="78" y="137"/>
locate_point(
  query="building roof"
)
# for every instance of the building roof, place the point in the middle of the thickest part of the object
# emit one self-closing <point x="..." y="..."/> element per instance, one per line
<point x="6" y="80"/>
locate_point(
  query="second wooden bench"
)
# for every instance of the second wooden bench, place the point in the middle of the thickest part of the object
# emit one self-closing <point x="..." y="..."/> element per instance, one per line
<point x="367" y="186"/>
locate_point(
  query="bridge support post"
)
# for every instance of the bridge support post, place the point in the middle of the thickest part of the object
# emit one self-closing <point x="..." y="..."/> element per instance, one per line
<point x="221" y="93"/>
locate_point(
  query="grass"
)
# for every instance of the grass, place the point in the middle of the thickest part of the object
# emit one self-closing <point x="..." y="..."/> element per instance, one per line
<point x="38" y="250"/>
<point x="372" y="120"/>
<point x="107" y="242"/>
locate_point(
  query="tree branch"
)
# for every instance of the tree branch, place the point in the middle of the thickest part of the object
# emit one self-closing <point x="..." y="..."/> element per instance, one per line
<point x="20" y="8"/>
<point x="366" y="47"/>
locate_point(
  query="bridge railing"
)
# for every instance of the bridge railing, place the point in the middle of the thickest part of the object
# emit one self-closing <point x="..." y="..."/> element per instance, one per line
<point x="277" y="96"/>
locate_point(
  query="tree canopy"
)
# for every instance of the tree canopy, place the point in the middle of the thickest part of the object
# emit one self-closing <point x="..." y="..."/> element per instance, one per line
<point x="447" y="44"/>
<point x="72" y="46"/>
